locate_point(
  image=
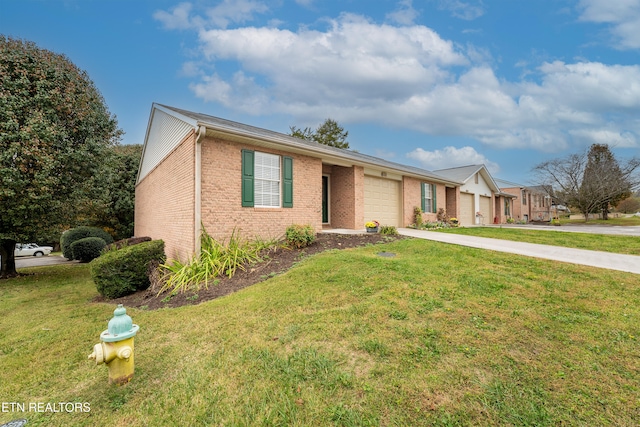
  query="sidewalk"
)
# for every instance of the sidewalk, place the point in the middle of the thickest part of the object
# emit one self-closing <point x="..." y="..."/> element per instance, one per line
<point x="608" y="260"/>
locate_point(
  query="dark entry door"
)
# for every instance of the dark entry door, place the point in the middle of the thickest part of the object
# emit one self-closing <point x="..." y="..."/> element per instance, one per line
<point x="325" y="199"/>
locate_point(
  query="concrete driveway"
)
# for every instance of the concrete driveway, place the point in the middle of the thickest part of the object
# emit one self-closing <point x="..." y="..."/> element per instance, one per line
<point x="608" y="260"/>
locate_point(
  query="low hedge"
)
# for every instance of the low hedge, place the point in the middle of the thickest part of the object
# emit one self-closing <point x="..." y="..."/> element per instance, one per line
<point x="87" y="249"/>
<point x="70" y="236"/>
<point x="124" y="271"/>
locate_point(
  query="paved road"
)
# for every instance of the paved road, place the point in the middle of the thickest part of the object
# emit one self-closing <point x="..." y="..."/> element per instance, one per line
<point x="33" y="261"/>
<point x="621" y="262"/>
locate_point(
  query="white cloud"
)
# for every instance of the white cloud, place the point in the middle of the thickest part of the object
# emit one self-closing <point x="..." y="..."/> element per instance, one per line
<point x="353" y="62"/>
<point x="463" y="10"/>
<point x="610" y="137"/>
<point x="219" y="16"/>
<point x="405" y="14"/>
<point x="409" y="77"/>
<point x="234" y="11"/>
<point x="450" y="157"/>
<point x="622" y="15"/>
<point x="177" y="19"/>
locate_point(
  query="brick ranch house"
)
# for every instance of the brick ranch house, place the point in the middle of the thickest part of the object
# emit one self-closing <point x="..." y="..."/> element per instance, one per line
<point x="481" y="200"/>
<point x="529" y="203"/>
<point x="201" y="171"/>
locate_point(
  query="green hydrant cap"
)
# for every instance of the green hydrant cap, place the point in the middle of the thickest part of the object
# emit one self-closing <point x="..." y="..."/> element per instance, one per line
<point x="120" y="326"/>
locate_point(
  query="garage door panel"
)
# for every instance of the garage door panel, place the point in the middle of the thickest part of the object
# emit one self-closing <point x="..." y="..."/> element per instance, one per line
<point x="485" y="209"/>
<point x="467" y="213"/>
<point x="382" y="200"/>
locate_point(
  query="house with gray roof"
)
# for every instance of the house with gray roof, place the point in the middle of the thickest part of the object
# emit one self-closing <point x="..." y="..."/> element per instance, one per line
<point x="198" y="171"/>
<point x="481" y="199"/>
<point x="530" y="203"/>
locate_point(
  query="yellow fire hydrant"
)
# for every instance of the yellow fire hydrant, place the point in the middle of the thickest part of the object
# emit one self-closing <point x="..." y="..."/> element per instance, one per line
<point x="116" y="348"/>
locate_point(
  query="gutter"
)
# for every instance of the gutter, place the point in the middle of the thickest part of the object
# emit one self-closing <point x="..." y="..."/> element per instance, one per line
<point x="197" y="226"/>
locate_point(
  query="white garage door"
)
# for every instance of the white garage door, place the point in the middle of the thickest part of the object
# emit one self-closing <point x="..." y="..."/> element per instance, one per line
<point x="467" y="214"/>
<point x="485" y="210"/>
<point x="382" y="201"/>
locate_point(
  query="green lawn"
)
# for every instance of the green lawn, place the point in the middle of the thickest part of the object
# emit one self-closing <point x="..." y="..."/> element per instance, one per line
<point x="437" y="335"/>
<point x="628" y="221"/>
<point x="595" y="242"/>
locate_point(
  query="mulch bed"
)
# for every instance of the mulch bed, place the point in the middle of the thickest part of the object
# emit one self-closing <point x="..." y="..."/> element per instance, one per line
<point x="279" y="261"/>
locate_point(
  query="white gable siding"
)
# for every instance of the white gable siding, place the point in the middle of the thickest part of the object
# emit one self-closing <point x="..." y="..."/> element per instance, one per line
<point x="164" y="134"/>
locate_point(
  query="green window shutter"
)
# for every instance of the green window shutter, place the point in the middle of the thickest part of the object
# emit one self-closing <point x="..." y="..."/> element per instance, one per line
<point x="247" y="178"/>
<point x="287" y="182"/>
<point x="422" y="204"/>
<point x="433" y="195"/>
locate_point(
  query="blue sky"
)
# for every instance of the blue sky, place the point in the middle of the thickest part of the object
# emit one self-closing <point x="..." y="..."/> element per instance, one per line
<point x="429" y="83"/>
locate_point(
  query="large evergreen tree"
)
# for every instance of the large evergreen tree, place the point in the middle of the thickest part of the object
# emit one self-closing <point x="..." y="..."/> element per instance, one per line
<point x="328" y="133"/>
<point x="54" y="130"/>
<point x="603" y="181"/>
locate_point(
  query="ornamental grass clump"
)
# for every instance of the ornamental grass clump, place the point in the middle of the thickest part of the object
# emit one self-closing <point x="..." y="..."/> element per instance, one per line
<point x="389" y="230"/>
<point x="216" y="259"/>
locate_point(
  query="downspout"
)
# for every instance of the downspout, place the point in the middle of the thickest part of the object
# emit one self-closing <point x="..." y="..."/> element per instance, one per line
<point x="201" y="131"/>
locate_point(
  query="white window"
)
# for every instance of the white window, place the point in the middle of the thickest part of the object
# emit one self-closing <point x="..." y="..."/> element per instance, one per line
<point x="267" y="180"/>
<point x="428" y="197"/>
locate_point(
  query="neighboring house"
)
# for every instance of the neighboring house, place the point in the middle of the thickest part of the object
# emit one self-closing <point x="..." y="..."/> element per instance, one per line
<point x="201" y="171"/>
<point x="530" y="203"/>
<point x="481" y="201"/>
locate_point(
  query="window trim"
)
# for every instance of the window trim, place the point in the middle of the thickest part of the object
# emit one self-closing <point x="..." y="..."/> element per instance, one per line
<point x="285" y="180"/>
<point x="432" y="199"/>
<point x="266" y="195"/>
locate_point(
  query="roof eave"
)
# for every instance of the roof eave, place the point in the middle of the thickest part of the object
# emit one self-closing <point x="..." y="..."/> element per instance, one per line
<point x="326" y="154"/>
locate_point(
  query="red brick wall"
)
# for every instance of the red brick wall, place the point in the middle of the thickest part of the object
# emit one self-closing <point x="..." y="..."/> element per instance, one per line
<point x="412" y="197"/>
<point x="453" y="202"/>
<point x="346" y="196"/>
<point x="164" y="205"/>
<point x="342" y="197"/>
<point x="222" y="210"/>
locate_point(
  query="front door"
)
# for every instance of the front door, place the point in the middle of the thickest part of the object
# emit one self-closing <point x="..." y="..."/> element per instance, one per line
<point x="325" y="199"/>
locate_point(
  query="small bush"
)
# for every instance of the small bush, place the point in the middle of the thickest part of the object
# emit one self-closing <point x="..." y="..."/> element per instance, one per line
<point x="389" y="230"/>
<point x="417" y="217"/>
<point x="300" y="236"/>
<point x="70" y="236"/>
<point x="442" y="215"/>
<point x="87" y="249"/>
<point x="122" y="272"/>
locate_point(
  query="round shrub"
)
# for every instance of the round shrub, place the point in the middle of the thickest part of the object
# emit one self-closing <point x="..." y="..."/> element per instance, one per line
<point x="87" y="249"/>
<point x="124" y="271"/>
<point x="70" y="236"/>
<point x="300" y="236"/>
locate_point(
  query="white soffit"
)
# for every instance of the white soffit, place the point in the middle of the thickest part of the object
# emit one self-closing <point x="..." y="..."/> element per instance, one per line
<point x="164" y="134"/>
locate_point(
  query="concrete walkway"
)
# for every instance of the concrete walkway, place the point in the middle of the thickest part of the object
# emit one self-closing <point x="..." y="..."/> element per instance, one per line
<point x="608" y="260"/>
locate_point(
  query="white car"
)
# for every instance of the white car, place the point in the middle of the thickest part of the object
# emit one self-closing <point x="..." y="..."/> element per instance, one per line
<point x="31" y="249"/>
